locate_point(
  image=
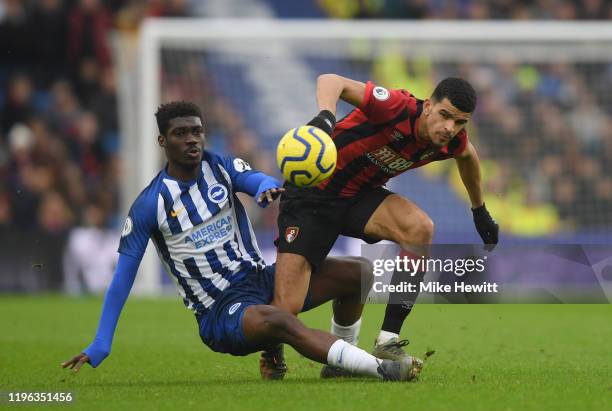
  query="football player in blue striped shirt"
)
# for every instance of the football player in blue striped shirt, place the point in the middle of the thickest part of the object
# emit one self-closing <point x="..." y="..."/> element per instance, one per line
<point x="206" y="243"/>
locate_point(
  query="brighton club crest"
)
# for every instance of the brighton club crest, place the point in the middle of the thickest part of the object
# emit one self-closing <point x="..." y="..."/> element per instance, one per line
<point x="291" y="233"/>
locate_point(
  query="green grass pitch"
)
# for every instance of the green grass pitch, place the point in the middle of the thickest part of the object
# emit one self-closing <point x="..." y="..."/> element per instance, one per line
<point x="488" y="357"/>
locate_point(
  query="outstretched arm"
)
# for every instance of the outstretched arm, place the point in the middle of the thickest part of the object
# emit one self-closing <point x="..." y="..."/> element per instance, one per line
<point x="264" y="188"/>
<point x="332" y="87"/>
<point x="469" y="169"/>
<point x="116" y="295"/>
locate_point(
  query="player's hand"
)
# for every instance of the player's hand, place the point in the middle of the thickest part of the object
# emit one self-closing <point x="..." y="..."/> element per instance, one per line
<point x="486" y="227"/>
<point x="268" y="196"/>
<point x="76" y="362"/>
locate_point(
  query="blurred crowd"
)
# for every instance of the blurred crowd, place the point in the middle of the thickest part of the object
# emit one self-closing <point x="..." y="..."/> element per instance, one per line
<point x="59" y="133"/>
<point x="544" y="135"/>
<point x="469" y="9"/>
<point x="59" y="136"/>
<point x="548" y="130"/>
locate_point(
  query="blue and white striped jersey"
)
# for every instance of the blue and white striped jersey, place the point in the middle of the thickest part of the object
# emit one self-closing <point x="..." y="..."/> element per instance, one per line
<point x="200" y="229"/>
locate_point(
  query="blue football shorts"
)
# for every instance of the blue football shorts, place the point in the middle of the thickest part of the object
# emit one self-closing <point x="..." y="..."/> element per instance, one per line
<point x="221" y="326"/>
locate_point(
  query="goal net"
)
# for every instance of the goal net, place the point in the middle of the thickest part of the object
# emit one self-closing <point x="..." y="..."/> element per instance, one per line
<point x="542" y="128"/>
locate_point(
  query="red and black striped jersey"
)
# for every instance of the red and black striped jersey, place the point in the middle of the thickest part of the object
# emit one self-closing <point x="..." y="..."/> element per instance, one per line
<point x="379" y="140"/>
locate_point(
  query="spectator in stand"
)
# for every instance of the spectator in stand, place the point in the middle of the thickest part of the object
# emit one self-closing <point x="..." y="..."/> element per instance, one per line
<point x="54" y="214"/>
<point x="18" y="107"/>
<point x="88" y="49"/>
<point x="81" y="272"/>
<point x="16" y="35"/>
<point x="49" y="20"/>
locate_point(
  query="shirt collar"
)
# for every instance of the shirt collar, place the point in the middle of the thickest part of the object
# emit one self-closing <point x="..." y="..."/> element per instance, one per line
<point x="189" y="183"/>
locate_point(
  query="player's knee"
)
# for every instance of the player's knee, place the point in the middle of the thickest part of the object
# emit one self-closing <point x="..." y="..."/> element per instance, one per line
<point x="426" y="230"/>
<point x="418" y="232"/>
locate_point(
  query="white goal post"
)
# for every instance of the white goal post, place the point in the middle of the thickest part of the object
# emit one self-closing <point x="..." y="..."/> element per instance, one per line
<point x="440" y="41"/>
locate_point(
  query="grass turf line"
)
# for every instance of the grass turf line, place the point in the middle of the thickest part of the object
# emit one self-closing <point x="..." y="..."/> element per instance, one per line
<point x="502" y="357"/>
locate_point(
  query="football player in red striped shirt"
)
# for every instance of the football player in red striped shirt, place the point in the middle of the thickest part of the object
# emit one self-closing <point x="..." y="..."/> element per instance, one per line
<point x="389" y="132"/>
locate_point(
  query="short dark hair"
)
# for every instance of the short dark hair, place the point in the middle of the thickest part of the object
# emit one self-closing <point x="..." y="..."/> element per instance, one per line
<point x="168" y="111"/>
<point x="458" y="91"/>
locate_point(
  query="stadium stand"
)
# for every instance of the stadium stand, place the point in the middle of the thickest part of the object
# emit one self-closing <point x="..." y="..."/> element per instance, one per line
<point x="549" y="162"/>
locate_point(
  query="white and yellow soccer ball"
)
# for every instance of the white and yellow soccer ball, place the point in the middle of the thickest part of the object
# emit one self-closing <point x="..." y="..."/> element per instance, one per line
<point x="306" y="156"/>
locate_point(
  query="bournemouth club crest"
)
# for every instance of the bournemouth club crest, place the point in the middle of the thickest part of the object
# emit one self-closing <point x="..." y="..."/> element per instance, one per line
<point x="291" y="233"/>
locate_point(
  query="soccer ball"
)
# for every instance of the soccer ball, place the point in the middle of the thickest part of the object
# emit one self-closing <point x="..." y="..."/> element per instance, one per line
<point x="306" y="156"/>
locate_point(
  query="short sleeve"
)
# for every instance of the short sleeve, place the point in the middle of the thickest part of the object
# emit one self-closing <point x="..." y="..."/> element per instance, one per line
<point x="381" y="105"/>
<point x="138" y="227"/>
<point x="237" y="168"/>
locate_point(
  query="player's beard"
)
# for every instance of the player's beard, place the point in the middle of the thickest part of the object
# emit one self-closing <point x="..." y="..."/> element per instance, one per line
<point x="441" y="139"/>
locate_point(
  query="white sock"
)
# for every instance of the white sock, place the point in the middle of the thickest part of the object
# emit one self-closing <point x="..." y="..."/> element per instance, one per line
<point x="348" y="357"/>
<point x="385" y="336"/>
<point x="349" y="333"/>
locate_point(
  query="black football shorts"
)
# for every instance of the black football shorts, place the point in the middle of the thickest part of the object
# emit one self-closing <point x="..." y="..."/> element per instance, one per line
<point x="310" y="220"/>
